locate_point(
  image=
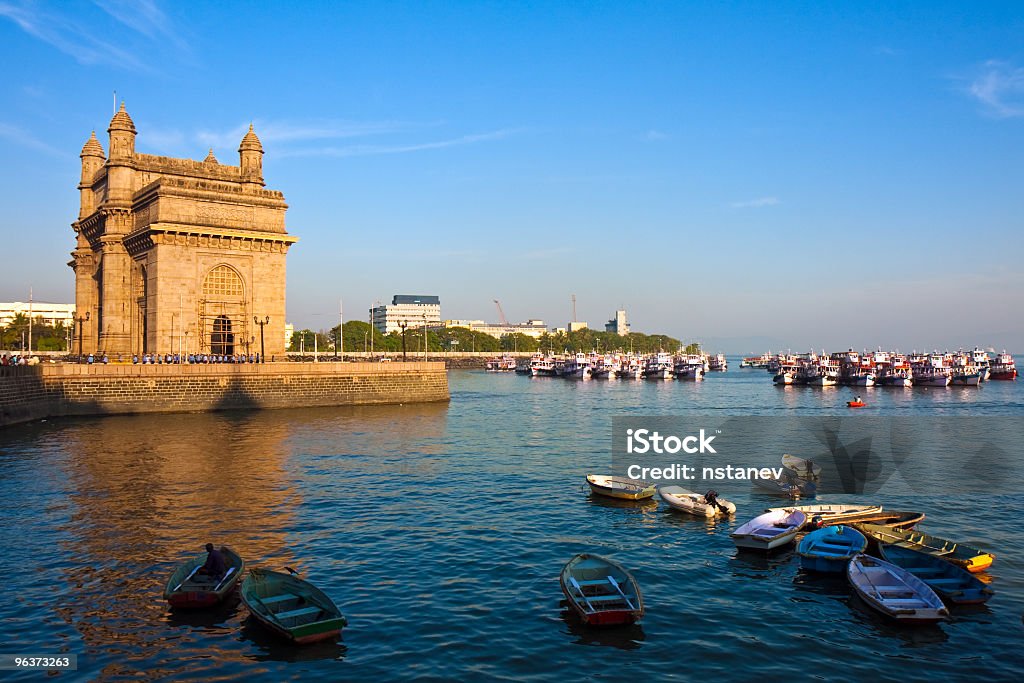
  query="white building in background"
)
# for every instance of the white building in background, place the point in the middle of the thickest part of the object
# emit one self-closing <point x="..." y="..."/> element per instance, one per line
<point x="50" y="313"/>
<point x="618" y="324"/>
<point x="289" y="330"/>
<point x="576" y="326"/>
<point x="531" y="328"/>
<point x="411" y="310"/>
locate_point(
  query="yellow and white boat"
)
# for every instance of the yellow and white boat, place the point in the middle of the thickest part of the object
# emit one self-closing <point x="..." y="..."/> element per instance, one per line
<point x="620" y="487"/>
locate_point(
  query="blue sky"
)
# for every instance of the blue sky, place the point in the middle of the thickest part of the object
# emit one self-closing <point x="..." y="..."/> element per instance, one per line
<point x="804" y="174"/>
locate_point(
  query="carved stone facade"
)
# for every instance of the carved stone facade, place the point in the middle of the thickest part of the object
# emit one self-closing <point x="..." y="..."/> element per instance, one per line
<point x="177" y="255"/>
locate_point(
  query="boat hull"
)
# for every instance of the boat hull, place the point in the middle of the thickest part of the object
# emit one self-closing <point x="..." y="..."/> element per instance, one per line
<point x="769" y="531"/>
<point x="620" y="487"/>
<point x="828" y="550"/>
<point x="954" y="585"/>
<point x="594" y="599"/>
<point x="894" y="593"/>
<point x="183" y="593"/>
<point x="291" y="608"/>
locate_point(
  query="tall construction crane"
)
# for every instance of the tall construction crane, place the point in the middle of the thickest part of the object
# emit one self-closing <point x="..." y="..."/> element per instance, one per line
<point x="501" y="313"/>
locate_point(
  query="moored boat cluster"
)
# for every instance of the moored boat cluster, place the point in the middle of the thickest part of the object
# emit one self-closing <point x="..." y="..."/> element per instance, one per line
<point x="907" y="575"/>
<point x="886" y="368"/>
<point x="593" y="365"/>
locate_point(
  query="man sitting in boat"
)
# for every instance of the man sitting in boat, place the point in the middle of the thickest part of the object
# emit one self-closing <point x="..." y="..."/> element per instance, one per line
<point x="856" y="399"/>
<point x="215" y="565"/>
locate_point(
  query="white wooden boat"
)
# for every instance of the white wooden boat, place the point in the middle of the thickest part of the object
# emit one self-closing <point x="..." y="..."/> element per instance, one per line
<point x="831" y="515"/>
<point x="707" y="505"/>
<point x="807" y="470"/>
<point x="620" y="487"/>
<point x="770" y="530"/>
<point x="894" y="592"/>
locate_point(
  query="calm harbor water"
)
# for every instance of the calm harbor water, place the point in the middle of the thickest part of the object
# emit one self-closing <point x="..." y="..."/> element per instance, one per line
<point x="440" y="531"/>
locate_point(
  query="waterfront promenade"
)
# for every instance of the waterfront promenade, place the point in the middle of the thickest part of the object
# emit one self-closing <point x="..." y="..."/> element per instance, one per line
<point x="59" y="389"/>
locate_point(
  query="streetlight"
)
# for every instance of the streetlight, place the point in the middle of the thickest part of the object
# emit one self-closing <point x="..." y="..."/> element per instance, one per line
<point x="81" y="324"/>
<point x="262" y="323"/>
<point x="404" y="324"/>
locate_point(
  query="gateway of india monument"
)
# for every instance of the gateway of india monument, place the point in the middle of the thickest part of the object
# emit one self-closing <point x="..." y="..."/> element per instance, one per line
<point x="176" y="255"/>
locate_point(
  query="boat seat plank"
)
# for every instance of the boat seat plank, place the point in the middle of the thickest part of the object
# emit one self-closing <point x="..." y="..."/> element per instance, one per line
<point x="946" y="581"/>
<point x="297" y="612"/>
<point x="594" y="582"/>
<point x="905" y="602"/>
<point x="284" y="597"/>
<point x="604" y="598"/>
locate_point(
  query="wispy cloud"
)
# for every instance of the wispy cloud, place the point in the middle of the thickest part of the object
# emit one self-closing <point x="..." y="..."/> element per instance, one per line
<point x="145" y="17"/>
<point x="999" y="87"/>
<point x="21" y="137"/>
<point x="76" y="37"/>
<point x="365" y="150"/>
<point x="756" y="203"/>
<point x="291" y="132"/>
<point x="655" y="135"/>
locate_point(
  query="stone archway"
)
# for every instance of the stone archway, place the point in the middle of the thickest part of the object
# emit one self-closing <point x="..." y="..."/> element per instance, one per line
<point x="222" y="310"/>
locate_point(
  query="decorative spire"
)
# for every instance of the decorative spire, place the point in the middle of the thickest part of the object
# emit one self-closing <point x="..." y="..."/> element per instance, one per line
<point x="250" y="142"/>
<point x="210" y="159"/>
<point x="92" y="147"/>
<point x="121" y="121"/>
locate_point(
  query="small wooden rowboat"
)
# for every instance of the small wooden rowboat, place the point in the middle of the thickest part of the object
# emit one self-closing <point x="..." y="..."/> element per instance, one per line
<point x="770" y="530"/>
<point x="894" y="591"/>
<point x="831" y="548"/>
<point x="696" y="504"/>
<point x="620" y="487"/>
<point x="954" y="585"/>
<point x="189" y="589"/>
<point x="894" y="519"/>
<point x="601" y="591"/>
<point x="290" y="607"/>
<point x="970" y="558"/>
<point x="799" y="467"/>
<point x="829" y="515"/>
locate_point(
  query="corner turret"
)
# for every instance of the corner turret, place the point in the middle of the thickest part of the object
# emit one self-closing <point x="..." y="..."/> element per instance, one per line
<point x="250" y="153"/>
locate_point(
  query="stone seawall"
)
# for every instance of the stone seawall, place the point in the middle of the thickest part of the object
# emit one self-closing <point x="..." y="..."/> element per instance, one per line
<point x="35" y="392"/>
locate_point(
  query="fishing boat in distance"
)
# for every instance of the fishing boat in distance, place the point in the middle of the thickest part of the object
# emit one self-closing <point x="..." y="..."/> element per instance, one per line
<point x="894" y="592"/>
<point x="707" y="505"/>
<point x="1003" y="367"/>
<point x="601" y="591"/>
<point x="954" y="585"/>
<point x="620" y="487"/>
<point x="770" y="530"/>
<point x="291" y="607"/>
<point x="501" y="364"/>
<point x="659" y="366"/>
<point x="189" y="589"/>
<point x="787" y="485"/>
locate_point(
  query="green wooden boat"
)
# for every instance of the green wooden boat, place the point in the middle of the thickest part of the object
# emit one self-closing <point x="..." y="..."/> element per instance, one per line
<point x="291" y="607"/>
<point x="189" y="589"/>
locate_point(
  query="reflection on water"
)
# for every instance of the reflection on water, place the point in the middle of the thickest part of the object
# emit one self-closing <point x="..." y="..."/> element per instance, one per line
<point x="625" y="637"/>
<point x="440" y="531"/>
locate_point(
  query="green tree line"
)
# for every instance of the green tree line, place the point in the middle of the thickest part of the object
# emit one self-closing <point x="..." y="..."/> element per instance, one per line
<point x="45" y="337"/>
<point x="361" y="336"/>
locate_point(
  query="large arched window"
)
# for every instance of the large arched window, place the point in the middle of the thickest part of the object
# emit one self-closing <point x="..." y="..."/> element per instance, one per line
<point x="222" y="282"/>
<point x="222" y="310"/>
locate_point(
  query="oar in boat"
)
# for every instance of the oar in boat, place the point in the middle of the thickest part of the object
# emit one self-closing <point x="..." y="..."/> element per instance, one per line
<point x="229" y="572"/>
<point x="578" y="587"/>
<point x="625" y="597"/>
<point x="185" y="580"/>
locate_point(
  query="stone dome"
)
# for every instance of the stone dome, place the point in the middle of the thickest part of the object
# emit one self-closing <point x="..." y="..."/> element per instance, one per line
<point x="250" y="143"/>
<point x="121" y="121"/>
<point x="92" y="147"/>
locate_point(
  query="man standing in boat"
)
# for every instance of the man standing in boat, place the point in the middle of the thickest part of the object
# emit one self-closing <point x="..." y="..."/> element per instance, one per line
<point x="215" y="565"/>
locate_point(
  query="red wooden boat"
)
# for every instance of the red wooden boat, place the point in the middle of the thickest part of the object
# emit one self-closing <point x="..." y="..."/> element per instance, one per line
<point x="189" y="589"/>
<point x="856" y="404"/>
<point x="601" y="591"/>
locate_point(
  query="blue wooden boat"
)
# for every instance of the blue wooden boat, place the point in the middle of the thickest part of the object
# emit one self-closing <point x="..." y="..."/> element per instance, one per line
<point x="829" y="549"/>
<point x="954" y="585"/>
